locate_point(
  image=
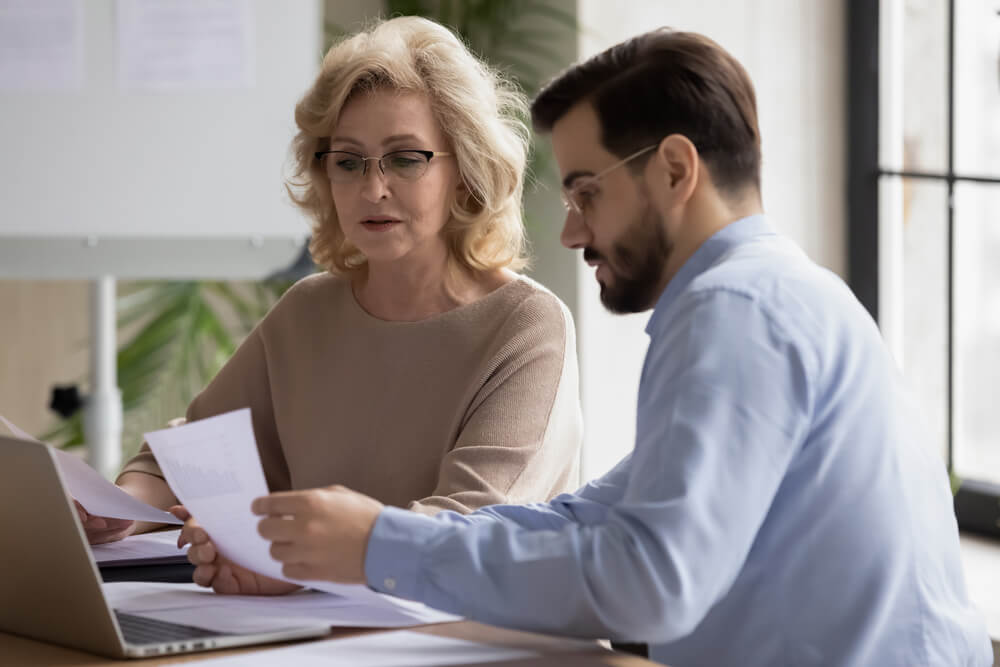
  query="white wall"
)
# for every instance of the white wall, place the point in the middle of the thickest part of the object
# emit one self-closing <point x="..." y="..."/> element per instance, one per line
<point x="794" y="51"/>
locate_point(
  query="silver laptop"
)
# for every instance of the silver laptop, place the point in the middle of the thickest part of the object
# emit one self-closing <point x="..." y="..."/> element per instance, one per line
<point x="50" y="586"/>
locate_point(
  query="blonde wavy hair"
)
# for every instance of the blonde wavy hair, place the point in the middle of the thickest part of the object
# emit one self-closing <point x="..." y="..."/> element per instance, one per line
<point x="479" y="111"/>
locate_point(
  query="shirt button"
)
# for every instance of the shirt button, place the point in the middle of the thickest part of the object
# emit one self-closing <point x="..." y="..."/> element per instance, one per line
<point x="389" y="583"/>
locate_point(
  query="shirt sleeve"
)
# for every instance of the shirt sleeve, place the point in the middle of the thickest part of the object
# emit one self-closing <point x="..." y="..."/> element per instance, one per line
<point x="520" y="439"/>
<point x="588" y="505"/>
<point x="242" y="381"/>
<point x="724" y="404"/>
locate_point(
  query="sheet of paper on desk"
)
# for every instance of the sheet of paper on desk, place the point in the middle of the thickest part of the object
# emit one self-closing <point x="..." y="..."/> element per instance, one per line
<point x="214" y="468"/>
<point x="147" y="547"/>
<point x="381" y="649"/>
<point x="192" y="605"/>
<point x="96" y="494"/>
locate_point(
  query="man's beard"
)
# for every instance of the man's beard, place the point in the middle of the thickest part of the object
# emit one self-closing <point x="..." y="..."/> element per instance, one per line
<point x="636" y="262"/>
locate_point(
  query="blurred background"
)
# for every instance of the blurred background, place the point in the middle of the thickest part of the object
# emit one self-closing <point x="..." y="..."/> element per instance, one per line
<point x="881" y="142"/>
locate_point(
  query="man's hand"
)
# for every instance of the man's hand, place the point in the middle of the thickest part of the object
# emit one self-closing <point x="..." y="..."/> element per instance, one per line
<point x="101" y="529"/>
<point x="319" y="533"/>
<point x="214" y="571"/>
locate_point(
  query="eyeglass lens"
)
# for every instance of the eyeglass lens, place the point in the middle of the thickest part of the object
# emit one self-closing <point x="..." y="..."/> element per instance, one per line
<point x="345" y="167"/>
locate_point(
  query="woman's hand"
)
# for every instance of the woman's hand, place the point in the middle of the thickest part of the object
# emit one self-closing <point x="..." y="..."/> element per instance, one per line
<point x="214" y="571"/>
<point x="100" y="529"/>
<point x="319" y="533"/>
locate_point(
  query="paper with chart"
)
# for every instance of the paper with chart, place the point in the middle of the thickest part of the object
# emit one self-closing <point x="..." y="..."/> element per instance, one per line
<point x="213" y="467"/>
<point x="97" y="495"/>
<point x="190" y="604"/>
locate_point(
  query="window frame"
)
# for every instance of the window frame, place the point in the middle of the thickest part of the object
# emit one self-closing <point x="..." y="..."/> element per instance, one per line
<point x="977" y="502"/>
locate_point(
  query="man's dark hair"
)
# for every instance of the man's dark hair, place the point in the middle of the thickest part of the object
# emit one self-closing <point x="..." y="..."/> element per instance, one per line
<point x="660" y="83"/>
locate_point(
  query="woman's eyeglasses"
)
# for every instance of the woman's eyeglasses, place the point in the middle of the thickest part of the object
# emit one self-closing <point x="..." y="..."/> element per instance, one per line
<point x="347" y="167"/>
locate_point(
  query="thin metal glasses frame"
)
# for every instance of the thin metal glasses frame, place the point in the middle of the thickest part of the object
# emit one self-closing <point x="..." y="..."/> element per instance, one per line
<point x="568" y="194"/>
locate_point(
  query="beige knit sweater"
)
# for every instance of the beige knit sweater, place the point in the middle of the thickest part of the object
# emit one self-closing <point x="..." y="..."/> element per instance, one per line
<point x="476" y="406"/>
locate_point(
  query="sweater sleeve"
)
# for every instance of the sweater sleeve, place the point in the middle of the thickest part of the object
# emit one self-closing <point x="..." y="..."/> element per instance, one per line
<point x="520" y="439"/>
<point x="144" y="461"/>
<point x="242" y="382"/>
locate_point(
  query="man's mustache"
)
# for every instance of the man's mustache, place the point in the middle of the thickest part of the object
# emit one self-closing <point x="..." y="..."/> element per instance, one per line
<point x="591" y="255"/>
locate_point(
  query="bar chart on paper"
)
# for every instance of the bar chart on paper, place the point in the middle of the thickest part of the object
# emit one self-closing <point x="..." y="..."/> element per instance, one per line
<point x="198" y="481"/>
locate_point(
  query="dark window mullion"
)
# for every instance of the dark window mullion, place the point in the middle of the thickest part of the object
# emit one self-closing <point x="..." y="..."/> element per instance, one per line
<point x="940" y="176"/>
<point x="862" y="38"/>
<point x="950" y="258"/>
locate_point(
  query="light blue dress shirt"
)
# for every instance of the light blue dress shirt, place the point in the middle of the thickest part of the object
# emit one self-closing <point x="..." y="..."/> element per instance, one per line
<point x="779" y="506"/>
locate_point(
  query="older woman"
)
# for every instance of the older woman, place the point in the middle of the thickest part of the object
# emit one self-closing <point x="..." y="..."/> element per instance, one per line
<point x="418" y="368"/>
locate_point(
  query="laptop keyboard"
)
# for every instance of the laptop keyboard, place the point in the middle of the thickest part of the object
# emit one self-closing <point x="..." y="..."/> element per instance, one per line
<point x="141" y="630"/>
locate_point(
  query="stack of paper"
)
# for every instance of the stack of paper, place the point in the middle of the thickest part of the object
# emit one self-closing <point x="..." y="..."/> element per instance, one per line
<point x="382" y="649"/>
<point x="158" y="548"/>
<point x="190" y="604"/>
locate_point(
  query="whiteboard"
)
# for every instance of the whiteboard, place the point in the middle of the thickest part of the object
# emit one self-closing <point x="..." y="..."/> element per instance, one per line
<point x="107" y="179"/>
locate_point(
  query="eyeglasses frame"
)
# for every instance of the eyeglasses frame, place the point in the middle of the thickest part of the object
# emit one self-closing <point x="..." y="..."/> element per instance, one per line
<point x="568" y="194"/>
<point x="381" y="167"/>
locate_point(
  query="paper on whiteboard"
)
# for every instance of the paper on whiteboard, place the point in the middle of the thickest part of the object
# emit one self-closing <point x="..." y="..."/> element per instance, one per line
<point x="41" y="45"/>
<point x="97" y="495"/>
<point x="185" y="44"/>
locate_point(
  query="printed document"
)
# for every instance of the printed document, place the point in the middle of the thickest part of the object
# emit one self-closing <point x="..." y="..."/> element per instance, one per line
<point x="213" y="467"/>
<point x="97" y="495"/>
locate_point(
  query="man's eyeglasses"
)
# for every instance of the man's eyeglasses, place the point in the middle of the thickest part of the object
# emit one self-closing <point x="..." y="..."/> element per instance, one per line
<point x="572" y="198"/>
<point x="347" y="167"/>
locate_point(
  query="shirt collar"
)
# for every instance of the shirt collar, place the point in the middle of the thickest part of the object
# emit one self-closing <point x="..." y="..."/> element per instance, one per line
<point x="734" y="234"/>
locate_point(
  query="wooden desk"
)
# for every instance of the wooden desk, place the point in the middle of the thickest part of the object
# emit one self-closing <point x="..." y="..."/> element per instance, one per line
<point x="24" y="652"/>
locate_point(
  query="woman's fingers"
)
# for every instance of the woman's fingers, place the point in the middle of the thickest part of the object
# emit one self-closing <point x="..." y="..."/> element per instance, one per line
<point x="202" y="554"/>
<point x="103" y="537"/>
<point x="101" y="529"/>
<point x="113" y="525"/>
<point x="245" y="581"/>
<point x="192" y="533"/>
<point x="204" y="575"/>
<point x="81" y="511"/>
<point x="226" y="582"/>
<point x="206" y="552"/>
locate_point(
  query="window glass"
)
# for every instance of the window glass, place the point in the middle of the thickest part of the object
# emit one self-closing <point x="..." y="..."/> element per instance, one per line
<point x="925" y="293"/>
<point x="976" y="450"/>
<point x="977" y="88"/>
<point x="925" y="85"/>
